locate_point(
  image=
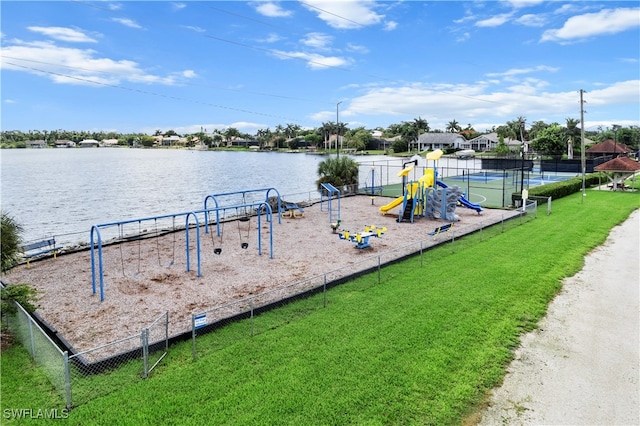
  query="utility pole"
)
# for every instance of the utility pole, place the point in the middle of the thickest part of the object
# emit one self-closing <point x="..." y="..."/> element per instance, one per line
<point x="337" y="130"/>
<point x="521" y="122"/>
<point x="582" y="153"/>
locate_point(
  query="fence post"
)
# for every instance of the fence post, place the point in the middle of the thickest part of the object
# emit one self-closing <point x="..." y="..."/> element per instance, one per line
<point x="166" y="331"/>
<point x="379" y="267"/>
<point x="67" y="379"/>
<point x="32" y="343"/>
<point x="324" y="291"/>
<point x="193" y="336"/>
<point x="145" y="352"/>
<point x="251" y="307"/>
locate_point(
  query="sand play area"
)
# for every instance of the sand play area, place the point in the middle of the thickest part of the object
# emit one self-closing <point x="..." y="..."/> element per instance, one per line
<point x="144" y="278"/>
<point x="580" y="366"/>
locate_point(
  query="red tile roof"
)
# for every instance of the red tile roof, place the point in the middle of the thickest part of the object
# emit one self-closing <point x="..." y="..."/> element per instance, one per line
<point x="609" y="146"/>
<point x="619" y="164"/>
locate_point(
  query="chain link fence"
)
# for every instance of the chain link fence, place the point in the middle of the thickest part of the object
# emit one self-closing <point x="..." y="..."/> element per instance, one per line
<point x="41" y="347"/>
<point x="80" y="377"/>
<point x="74" y="376"/>
<point x="241" y="319"/>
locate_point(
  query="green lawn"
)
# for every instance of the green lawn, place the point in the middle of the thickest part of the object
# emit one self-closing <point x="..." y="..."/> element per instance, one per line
<point x="423" y="347"/>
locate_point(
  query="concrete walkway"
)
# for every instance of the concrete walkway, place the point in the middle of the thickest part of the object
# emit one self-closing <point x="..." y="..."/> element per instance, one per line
<point x="581" y="366"/>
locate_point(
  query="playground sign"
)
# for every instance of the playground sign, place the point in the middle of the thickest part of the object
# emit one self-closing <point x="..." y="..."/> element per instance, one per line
<point x="200" y="321"/>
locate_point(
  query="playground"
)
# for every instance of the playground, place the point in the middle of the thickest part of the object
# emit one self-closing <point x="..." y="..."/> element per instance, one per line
<point x="143" y="278"/>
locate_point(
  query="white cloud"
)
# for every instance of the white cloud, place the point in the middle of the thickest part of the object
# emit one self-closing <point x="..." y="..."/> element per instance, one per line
<point x="9" y="101"/>
<point x="345" y="14"/>
<point x="357" y="48"/>
<point x="63" y="34"/>
<point x="271" y="38"/>
<point x="518" y="4"/>
<point x="189" y="73"/>
<point x="617" y="93"/>
<point x="519" y="71"/>
<point x="390" y="25"/>
<point x="195" y="29"/>
<point x="178" y="6"/>
<point x="314" y="61"/>
<point x="317" y="40"/>
<point x="531" y="20"/>
<point x="76" y="66"/>
<point x="271" y="10"/>
<point x="127" y="22"/>
<point x="463" y="37"/>
<point x="608" y="21"/>
<point x="482" y="103"/>
<point x="495" y="21"/>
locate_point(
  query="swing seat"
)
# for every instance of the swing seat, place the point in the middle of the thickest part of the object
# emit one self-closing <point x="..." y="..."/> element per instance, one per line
<point x="244" y="219"/>
<point x="217" y="250"/>
<point x="244" y="245"/>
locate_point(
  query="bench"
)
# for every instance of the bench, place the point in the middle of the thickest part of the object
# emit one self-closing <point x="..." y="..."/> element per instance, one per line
<point x="40" y="248"/>
<point x="292" y="210"/>
<point x="440" y="229"/>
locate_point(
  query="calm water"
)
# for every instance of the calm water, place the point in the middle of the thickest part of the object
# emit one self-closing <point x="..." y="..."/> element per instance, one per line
<point x="63" y="192"/>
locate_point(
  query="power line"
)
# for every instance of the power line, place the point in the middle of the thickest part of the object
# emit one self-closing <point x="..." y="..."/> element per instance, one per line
<point x="146" y="92"/>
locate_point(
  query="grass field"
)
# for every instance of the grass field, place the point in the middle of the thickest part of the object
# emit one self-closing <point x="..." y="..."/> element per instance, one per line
<point x="423" y="347"/>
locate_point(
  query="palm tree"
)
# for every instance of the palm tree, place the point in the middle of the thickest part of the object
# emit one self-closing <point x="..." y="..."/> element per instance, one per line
<point x="327" y="131"/>
<point x="453" y="126"/>
<point x="570" y="135"/>
<point x="340" y="172"/>
<point x="10" y="231"/>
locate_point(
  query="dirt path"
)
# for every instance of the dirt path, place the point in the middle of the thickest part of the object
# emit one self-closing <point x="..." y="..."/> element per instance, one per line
<point x="581" y="366"/>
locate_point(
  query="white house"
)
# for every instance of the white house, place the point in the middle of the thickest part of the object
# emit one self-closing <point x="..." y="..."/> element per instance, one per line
<point x="65" y="143"/>
<point x="89" y="143"/>
<point x="433" y="141"/>
<point x="490" y="141"/>
<point x="36" y="144"/>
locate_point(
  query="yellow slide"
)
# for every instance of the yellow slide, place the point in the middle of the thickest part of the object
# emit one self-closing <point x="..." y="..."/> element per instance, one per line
<point x="426" y="181"/>
<point x="392" y="204"/>
<point x="399" y="200"/>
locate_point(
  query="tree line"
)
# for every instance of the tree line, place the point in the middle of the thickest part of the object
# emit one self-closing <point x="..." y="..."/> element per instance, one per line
<point x="550" y="138"/>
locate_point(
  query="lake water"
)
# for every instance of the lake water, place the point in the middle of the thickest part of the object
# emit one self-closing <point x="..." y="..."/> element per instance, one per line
<point x="63" y="192"/>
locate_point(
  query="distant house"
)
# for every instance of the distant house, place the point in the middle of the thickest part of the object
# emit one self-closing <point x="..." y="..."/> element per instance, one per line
<point x="433" y="141"/>
<point x="65" y="143"/>
<point x="170" y="140"/>
<point x="109" y="142"/>
<point x="490" y="141"/>
<point x="36" y="144"/>
<point x="608" y="147"/>
<point x="89" y="143"/>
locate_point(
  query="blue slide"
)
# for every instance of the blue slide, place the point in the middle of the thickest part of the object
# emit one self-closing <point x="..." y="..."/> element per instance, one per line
<point x="468" y="204"/>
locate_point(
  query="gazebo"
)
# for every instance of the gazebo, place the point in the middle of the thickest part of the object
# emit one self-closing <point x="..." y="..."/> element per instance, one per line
<point x="608" y="147"/>
<point x="618" y="170"/>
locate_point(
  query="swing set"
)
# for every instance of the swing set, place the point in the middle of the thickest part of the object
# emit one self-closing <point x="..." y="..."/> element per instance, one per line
<point x="243" y="234"/>
<point x="96" y="245"/>
<point x="244" y="211"/>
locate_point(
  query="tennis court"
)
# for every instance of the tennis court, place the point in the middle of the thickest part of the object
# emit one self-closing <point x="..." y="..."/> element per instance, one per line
<point x="489" y="188"/>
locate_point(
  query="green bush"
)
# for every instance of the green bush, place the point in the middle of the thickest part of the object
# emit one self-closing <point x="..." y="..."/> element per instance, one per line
<point x="563" y="188"/>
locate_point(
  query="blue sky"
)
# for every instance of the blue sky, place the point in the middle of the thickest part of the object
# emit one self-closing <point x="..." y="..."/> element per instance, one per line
<point x="144" y="66"/>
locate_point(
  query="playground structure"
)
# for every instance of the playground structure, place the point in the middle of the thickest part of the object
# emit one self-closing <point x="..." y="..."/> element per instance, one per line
<point x="329" y="194"/>
<point x="361" y="239"/>
<point x="192" y="223"/>
<point x="375" y="189"/>
<point x="428" y="197"/>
